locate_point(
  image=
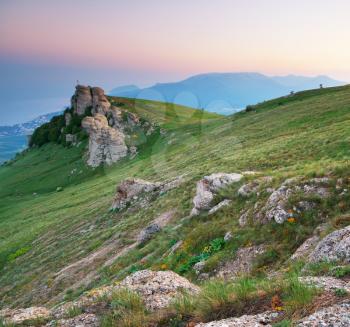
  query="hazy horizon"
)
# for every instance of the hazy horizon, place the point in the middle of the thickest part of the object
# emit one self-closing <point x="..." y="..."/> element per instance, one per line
<point x="46" y="48"/>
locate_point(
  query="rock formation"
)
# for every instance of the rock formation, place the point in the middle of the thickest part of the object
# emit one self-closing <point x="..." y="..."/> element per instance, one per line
<point x="158" y="288"/>
<point x="208" y="187"/>
<point x="19" y="316"/>
<point x="334" y="247"/>
<point x="131" y="190"/>
<point x="242" y="263"/>
<point x="276" y="207"/>
<point x="337" y="315"/>
<point x="106" y="144"/>
<point x="89" y="97"/>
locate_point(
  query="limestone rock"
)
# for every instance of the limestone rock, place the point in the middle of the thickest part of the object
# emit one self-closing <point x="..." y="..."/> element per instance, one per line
<point x="83" y="320"/>
<point x="157" y="288"/>
<point x="220" y="205"/>
<point x="242" y="263"/>
<point x="19" y="316"/>
<point x="262" y="319"/>
<point x="228" y="236"/>
<point x="148" y="232"/>
<point x="326" y="283"/>
<point x="276" y="207"/>
<point x="336" y="316"/>
<point x="100" y="103"/>
<point x="208" y="187"/>
<point x="334" y="247"/>
<point x="132" y="190"/>
<point x="89" y="97"/>
<point x="304" y="249"/>
<point x="106" y="145"/>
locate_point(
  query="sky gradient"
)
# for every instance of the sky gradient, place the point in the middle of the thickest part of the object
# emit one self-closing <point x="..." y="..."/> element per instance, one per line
<point x="45" y="46"/>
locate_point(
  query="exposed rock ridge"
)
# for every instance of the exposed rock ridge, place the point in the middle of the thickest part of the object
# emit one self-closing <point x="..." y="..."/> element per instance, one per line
<point x="106" y="144"/>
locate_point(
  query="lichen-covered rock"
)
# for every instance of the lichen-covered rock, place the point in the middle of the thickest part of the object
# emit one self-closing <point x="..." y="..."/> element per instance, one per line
<point x="333" y="247"/>
<point x="106" y="144"/>
<point x="147" y="233"/>
<point x="335" y="316"/>
<point x="325" y="282"/>
<point x="220" y="205"/>
<point x="132" y="190"/>
<point x="304" y="249"/>
<point x="242" y="263"/>
<point x="129" y="190"/>
<point x="83" y="320"/>
<point x="19" y="316"/>
<point x="262" y="319"/>
<point x="208" y="187"/>
<point x="276" y="207"/>
<point x="157" y="288"/>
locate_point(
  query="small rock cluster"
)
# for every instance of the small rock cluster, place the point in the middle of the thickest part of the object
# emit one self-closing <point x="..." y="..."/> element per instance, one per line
<point x="157" y="288"/>
<point x="208" y="187"/>
<point x="241" y="264"/>
<point x="19" y="316"/>
<point x="276" y="207"/>
<point x="133" y="190"/>
<point x="334" y="247"/>
<point x="262" y="319"/>
<point x="336" y="316"/>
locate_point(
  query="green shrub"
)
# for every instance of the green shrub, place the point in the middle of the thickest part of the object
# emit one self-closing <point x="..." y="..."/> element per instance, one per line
<point x="18" y="253"/>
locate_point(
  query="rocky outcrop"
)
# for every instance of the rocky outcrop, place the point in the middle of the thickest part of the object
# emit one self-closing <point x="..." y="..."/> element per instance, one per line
<point x="156" y="226"/>
<point x="336" y="316"/>
<point x="252" y="187"/>
<point x="137" y="190"/>
<point x="334" y="247"/>
<point x="83" y="320"/>
<point x="106" y="144"/>
<point x="20" y="316"/>
<point x="277" y="205"/>
<point x="242" y="263"/>
<point x="129" y="190"/>
<point x="89" y="97"/>
<point x="326" y="283"/>
<point x="219" y="206"/>
<point x="158" y="288"/>
<point x="262" y="319"/>
<point x="304" y="249"/>
<point x="208" y="187"/>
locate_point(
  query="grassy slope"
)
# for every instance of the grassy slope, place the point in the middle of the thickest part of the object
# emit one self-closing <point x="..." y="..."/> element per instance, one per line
<point x="304" y="134"/>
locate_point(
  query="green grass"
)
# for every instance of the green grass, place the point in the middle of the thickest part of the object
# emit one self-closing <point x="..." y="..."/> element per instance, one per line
<point x="42" y="231"/>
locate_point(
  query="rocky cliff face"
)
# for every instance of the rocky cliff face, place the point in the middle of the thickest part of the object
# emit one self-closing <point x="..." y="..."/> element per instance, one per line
<point x="105" y="124"/>
<point x="106" y="144"/>
<point x="89" y="97"/>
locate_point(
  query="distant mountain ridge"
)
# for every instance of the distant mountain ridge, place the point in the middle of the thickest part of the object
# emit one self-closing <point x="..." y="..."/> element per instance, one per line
<point x="225" y="93"/>
<point x="28" y="127"/>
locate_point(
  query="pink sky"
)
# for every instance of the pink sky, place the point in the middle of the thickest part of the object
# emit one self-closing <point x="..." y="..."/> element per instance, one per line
<point x="182" y="37"/>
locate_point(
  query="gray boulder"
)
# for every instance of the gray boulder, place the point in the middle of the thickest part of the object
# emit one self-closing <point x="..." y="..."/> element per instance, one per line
<point x="334" y="247"/>
<point x="208" y="187"/>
